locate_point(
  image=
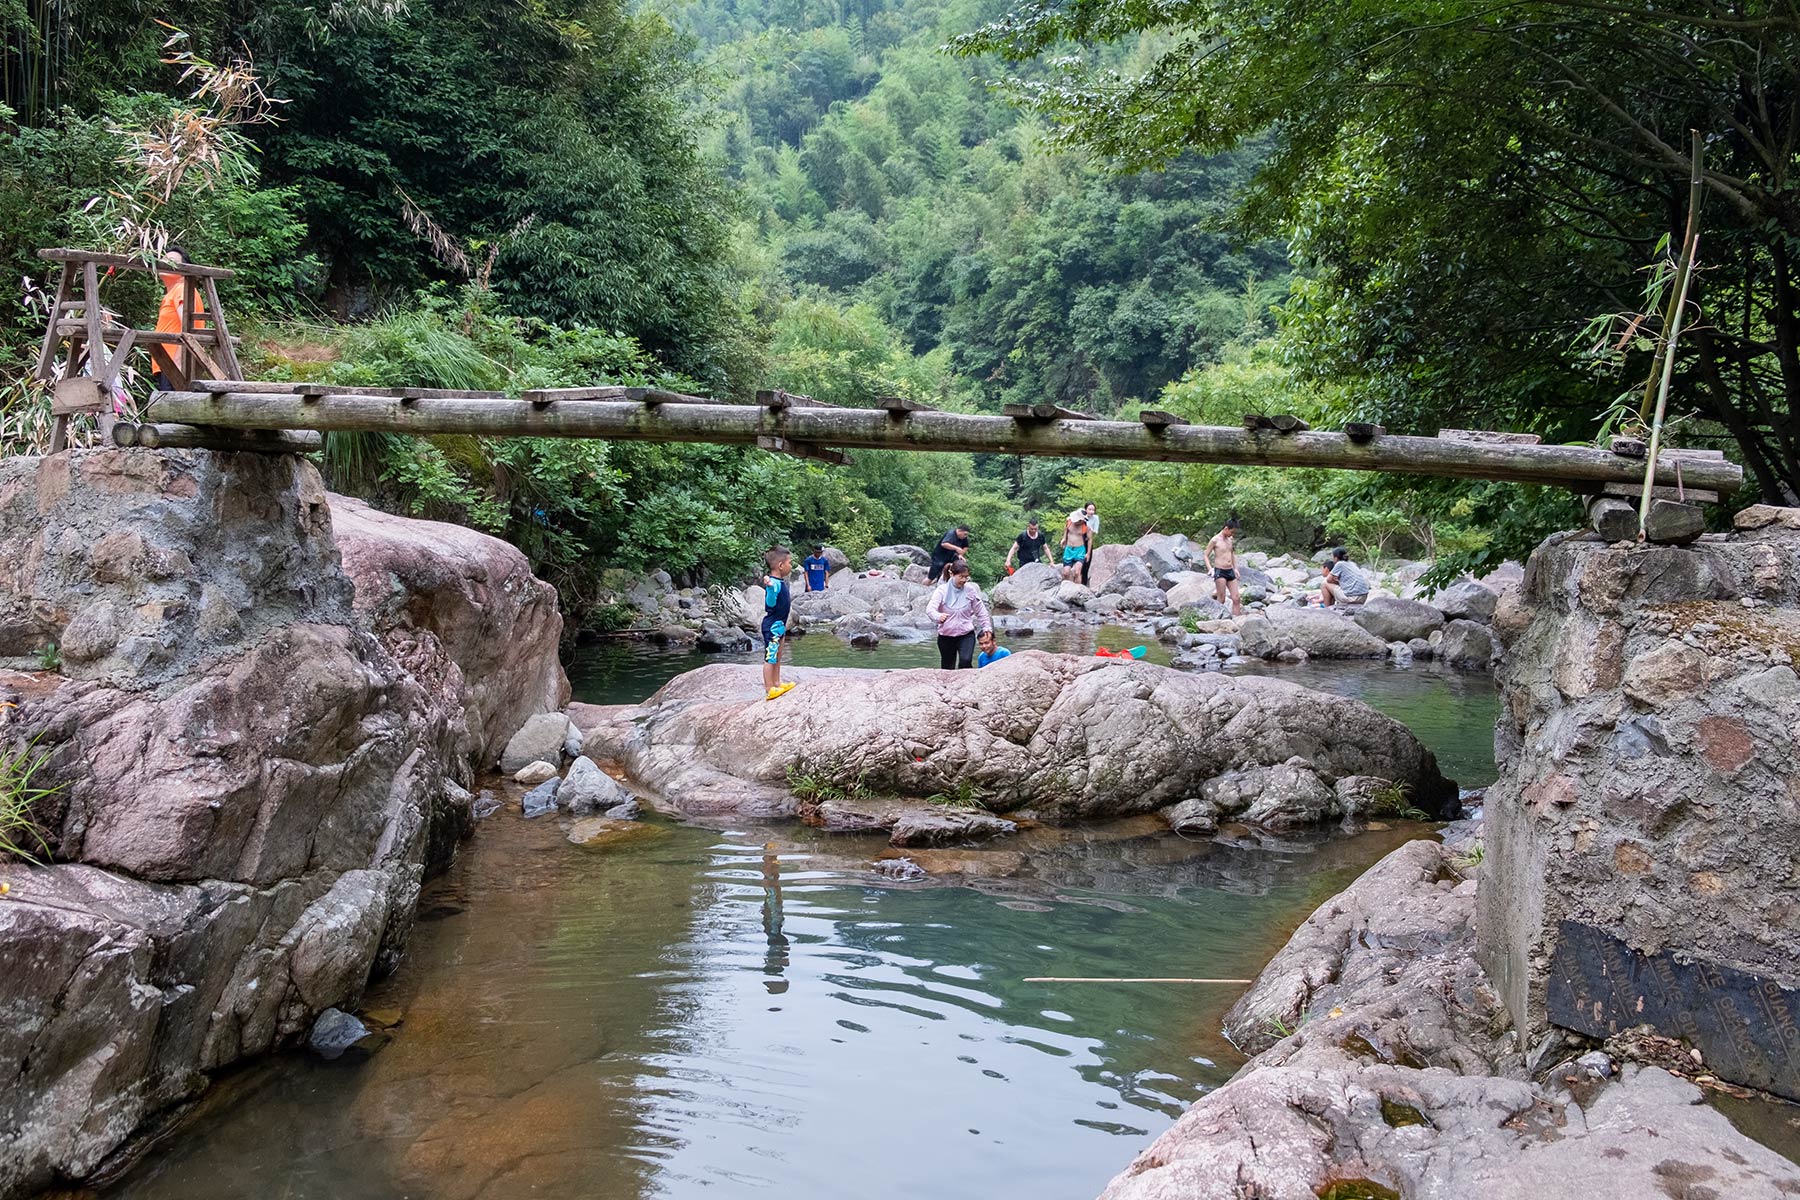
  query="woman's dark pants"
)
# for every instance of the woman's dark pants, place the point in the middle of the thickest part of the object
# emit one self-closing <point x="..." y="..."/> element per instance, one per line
<point x="956" y="653"/>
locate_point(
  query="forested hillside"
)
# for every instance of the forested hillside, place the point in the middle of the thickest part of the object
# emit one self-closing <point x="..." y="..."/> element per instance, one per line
<point x="724" y="195"/>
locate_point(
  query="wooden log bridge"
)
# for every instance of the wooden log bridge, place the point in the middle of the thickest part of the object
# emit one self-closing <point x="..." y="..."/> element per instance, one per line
<point x="813" y="426"/>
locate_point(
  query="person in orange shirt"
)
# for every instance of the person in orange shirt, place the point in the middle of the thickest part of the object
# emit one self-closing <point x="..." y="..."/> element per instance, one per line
<point x="171" y="362"/>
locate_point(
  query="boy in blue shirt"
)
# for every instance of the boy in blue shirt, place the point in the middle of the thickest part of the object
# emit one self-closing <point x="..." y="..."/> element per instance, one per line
<point x="778" y="599"/>
<point x="991" y="650"/>
<point x="817" y="568"/>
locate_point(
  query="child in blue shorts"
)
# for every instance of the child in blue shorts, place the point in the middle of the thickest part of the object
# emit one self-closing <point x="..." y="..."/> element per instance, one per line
<point x="778" y="599"/>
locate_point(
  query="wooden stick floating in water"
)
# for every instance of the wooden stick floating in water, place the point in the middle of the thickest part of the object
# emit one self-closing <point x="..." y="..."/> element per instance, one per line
<point x="1092" y="979"/>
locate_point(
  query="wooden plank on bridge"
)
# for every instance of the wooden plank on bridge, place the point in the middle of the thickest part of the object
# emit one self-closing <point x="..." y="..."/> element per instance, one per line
<point x="552" y="395"/>
<point x="781" y="445"/>
<point x="1489" y="437"/>
<point x="1583" y="468"/>
<point x="899" y="406"/>
<point x="1156" y="418"/>
<point x="1279" y="422"/>
<point x="776" y="398"/>
<point x="664" y="396"/>
<point x="1686" y="495"/>
<point x="1045" y="412"/>
<point x="128" y="263"/>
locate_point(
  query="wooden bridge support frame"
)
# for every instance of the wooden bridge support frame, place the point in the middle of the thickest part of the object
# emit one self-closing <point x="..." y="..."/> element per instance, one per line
<point x="94" y="346"/>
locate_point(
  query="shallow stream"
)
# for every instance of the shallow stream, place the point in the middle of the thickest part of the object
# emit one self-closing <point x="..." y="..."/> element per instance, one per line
<point x="697" y="1013"/>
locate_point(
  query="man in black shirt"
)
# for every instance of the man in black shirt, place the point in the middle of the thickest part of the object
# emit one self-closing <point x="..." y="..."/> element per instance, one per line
<point x="1029" y="546"/>
<point x="950" y="548"/>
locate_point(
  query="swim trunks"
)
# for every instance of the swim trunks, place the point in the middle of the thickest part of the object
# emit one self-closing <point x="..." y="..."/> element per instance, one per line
<point x="1228" y="574"/>
<point x="772" y="632"/>
<point x="1073" y="554"/>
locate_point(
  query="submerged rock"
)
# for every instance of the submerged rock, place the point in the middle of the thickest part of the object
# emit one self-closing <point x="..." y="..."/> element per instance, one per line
<point x="337" y="1033"/>
<point x="587" y="789"/>
<point x="1069" y="737"/>
<point x="902" y="870"/>
<point x="608" y="833"/>
<point x="540" y="799"/>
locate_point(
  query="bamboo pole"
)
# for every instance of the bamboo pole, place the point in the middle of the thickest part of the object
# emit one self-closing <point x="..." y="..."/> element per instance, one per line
<point x="1148" y="979"/>
<point x="1684" y="275"/>
<point x="1580" y="467"/>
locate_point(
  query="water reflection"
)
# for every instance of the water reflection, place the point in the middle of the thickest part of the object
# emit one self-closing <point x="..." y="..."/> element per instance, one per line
<point x="759" y="1011"/>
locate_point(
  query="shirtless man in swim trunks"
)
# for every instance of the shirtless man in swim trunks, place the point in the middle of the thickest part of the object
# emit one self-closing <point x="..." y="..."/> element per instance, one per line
<point x="1220" y="557"/>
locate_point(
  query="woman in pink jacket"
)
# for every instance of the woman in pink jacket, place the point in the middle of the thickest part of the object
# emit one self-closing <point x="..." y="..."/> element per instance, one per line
<point x="959" y="611"/>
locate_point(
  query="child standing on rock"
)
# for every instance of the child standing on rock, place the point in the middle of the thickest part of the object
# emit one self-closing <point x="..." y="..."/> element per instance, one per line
<point x="778" y="599"/>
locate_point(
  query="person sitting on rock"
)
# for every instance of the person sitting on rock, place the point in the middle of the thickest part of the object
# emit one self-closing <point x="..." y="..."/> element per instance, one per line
<point x="953" y="547"/>
<point x="991" y="650"/>
<point x="778" y="599"/>
<point x="1220" y="557"/>
<point x="1344" y="583"/>
<point x="1075" y="549"/>
<point x="959" y="611"/>
<point x="817" y="568"/>
<point x="1030" y="546"/>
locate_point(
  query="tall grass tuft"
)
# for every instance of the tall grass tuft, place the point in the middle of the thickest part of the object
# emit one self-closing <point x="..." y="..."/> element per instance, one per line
<point x="20" y="836"/>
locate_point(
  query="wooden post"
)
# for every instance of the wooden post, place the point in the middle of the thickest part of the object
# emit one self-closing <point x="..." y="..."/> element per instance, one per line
<point x="227" y="356"/>
<point x="1580" y="467"/>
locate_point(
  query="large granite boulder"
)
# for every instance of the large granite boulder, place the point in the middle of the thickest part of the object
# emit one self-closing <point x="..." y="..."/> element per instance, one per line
<point x="436" y="590"/>
<point x="1106" y="560"/>
<point x="1395" y="620"/>
<point x="252" y="773"/>
<point x="1468" y="644"/>
<point x="1066" y="737"/>
<point x="897" y="558"/>
<point x="1384" y="1064"/>
<point x="1130" y="573"/>
<point x="1031" y="586"/>
<point x="1468" y="601"/>
<point x="1319" y="632"/>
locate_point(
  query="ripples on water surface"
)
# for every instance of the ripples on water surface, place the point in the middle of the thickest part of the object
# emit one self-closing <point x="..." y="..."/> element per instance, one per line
<point x="700" y="1015"/>
<point x="754" y="1012"/>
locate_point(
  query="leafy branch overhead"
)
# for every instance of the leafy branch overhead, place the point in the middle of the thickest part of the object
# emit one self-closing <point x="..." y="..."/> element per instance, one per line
<point x="1467" y="183"/>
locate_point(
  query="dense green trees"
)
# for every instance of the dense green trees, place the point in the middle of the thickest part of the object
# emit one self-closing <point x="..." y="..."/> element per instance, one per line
<point x="1466" y="185"/>
<point x="813" y="195"/>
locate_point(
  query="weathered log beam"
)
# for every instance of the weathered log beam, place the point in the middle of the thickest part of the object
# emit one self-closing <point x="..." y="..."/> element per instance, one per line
<point x="873" y="429"/>
<point x="199" y="437"/>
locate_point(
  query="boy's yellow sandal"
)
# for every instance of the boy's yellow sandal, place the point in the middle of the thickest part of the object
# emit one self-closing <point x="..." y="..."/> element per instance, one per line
<point x="780" y="689"/>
